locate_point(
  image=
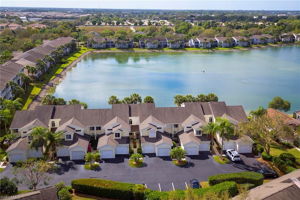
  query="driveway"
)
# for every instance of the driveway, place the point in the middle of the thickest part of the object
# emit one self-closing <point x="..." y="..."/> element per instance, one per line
<point x="157" y="174"/>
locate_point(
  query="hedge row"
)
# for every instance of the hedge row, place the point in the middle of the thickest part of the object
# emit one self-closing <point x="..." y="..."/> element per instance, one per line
<point x="228" y="187"/>
<point x="240" y="178"/>
<point x="224" y="188"/>
<point x="109" y="189"/>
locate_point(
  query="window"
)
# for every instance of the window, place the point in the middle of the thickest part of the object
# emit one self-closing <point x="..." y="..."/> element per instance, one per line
<point x="78" y="130"/>
<point x="15" y="130"/>
<point x="109" y="129"/>
<point x="210" y="119"/>
<point x="198" y="132"/>
<point x="175" y="125"/>
<point x="92" y="128"/>
<point x="117" y="135"/>
<point x="98" y="128"/>
<point x="24" y="132"/>
<point x="130" y="121"/>
<point x="68" y="137"/>
<point x="29" y="137"/>
<point x="159" y="128"/>
<point x="53" y="123"/>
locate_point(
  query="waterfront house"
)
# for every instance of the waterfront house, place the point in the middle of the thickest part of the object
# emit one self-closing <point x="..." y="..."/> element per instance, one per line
<point x="97" y="43"/>
<point x="124" y="44"/>
<point x="155" y="127"/>
<point x="297" y="37"/>
<point x="213" y="110"/>
<point x="153" y="43"/>
<point x="9" y="72"/>
<point x="269" y="38"/>
<point x="207" y="43"/>
<point x="176" y="41"/>
<point x="241" y="41"/>
<point x="225" y="42"/>
<point x="258" y="39"/>
<point x="287" y="38"/>
<point x="296" y="114"/>
<point x="193" y="42"/>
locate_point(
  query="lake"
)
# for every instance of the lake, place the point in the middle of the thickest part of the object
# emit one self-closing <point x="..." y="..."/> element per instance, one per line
<point x="249" y="78"/>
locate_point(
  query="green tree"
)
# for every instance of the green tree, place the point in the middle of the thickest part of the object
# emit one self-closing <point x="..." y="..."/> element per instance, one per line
<point x="190" y="98"/>
<point x="260" y="111"/>
<point x="201" y="98"/>
<point x="49" y="141"/>
<point x="7" y="187"/>
<point x="75" y="101"/>
<point x="25" y="80"/>
<point x="31" y="70"/>
<point x="136" y="157"/>
<point x="280" y="104"/>
<point x="113" y="100"/>
<point x="48" y="100"/>
<point x="212" y="97"/>
<point x="225" y="129"/>
<point x="183" y="27"/>
<point x="211" y="129"/>
<point x="179" y="99"/>
<point x="148" y="99"/>
<point x="17" y="91"/>
<point x="177" y="153"/>
<point x="135" y="98"/>
<point x="64" y="194"/>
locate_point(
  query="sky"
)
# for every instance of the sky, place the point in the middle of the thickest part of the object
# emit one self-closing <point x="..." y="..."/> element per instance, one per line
<point x="160" y="4"/>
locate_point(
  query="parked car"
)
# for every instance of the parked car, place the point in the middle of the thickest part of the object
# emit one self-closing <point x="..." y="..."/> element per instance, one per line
<point x="267" y="173"/>
<point x="194" y="183"/>
<point x="233" y="155"/>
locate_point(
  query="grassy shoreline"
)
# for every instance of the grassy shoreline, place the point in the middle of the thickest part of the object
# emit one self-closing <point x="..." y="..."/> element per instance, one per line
<point x="37" y="86"/>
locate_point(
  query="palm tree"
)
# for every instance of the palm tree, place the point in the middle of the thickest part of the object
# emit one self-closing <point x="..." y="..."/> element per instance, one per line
<point x="48" y="100"/>
<point x="25" y="80"/>
<point x="148" y="99"/>
<point x="49" y="141"/>
<point x="211" y="129"/>
<point x="30" y="70"/>
<point x="225" y="128"/>
<point x="135" y="98"/>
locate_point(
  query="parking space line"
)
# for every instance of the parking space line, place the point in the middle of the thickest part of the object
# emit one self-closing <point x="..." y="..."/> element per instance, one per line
<point x="186" y="185"/>
<point x="159" y="187"/>
<point x="173" y="186"/>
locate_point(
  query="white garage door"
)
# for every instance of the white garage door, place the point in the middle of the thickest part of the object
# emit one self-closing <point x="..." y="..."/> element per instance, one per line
<point x="122" y="150"/>
<point x="17" y="157"/>
<point x="148" y="149"/>
<point x="192" y="151"/>
<point x="77" y="155"/>
<point x="204" y="147"/>
<point x="244" y="148"/>
<point x="163" y="152"/>
<point x="107" y="154"/>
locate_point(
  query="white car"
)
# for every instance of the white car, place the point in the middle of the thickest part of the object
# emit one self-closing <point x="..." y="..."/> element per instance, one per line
<point x="233" y="155"/>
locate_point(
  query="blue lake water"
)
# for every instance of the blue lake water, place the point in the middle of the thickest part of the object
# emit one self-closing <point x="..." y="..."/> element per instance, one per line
<point x="249" y="78"/>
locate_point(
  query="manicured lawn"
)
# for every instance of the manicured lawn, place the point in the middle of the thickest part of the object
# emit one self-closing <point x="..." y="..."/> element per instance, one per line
<point x="276" y="150"/>
<point x="221" y="160"/>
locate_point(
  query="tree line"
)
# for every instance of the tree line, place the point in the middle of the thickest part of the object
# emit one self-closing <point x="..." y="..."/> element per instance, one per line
<point x="132" y="99"/>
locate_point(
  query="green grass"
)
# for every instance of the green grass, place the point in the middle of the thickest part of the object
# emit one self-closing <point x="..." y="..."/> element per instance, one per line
<point x="276" y="150"/>
<point x="221" y="160"/>
<point x="82" y="197"/>
<point x="55" y="70"/>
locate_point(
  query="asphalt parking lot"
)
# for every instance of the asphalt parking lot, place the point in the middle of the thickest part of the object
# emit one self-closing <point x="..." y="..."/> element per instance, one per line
<point x="157" y="173"/>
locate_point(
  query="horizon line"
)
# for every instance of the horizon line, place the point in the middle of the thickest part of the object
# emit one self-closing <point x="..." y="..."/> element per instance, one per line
<point x="187" y="9"/>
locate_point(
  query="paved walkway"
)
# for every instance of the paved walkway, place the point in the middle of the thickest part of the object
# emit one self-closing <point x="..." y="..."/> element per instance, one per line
<point x="52" y="83"/>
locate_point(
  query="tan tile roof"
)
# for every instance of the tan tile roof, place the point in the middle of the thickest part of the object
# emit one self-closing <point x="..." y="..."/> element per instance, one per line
<point x="186" y="138"/>
<point x="151" y="121"/>
<point x="20" y="144"/>
<point x="193" y="121"/>
<point x="81" y="142"/>
<point x="107" y="140"/>
<point x="282" y="116"/>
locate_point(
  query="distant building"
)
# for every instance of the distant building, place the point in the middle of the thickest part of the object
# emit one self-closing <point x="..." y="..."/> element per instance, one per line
<point x="225" y="42"/>
<point x="241" y="41"/>
<point x="287" y="38"/>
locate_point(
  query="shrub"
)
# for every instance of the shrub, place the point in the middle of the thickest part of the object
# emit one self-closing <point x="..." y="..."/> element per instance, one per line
<point x="247" y="186"/>
<point x="289" y="158"/>
<point x="240" y="178"/>
<point x="280" y="164"/>
<point x="64" y="194"/>
<point x="227" y="187"/>
<point x="156" y="195"/>
<point x="257" y="148"/>
<point x="131" y="151"/>
<point x="266" y="156"/>
<point x="108" y="189"/>
<point x="60" y="186"/>
<point x="297" y="142"/>
<point x="7" y="187"/>
<point x="289" y="169"/>
<point x="139" y="150"/>
<point x="286" y="144"/>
